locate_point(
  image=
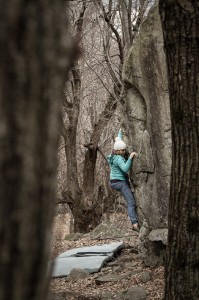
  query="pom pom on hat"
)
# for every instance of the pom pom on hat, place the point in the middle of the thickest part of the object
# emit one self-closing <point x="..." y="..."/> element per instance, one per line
<point x="119" y="144"/>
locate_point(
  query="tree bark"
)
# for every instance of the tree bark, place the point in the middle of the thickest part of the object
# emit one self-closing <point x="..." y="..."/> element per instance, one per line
<point x="125" y="14"/>
<point x="34" y="58"/>
<point x="180" y="22"/>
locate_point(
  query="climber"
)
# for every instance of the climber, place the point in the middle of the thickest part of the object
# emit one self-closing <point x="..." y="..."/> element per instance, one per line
<point x="119" y="181"/>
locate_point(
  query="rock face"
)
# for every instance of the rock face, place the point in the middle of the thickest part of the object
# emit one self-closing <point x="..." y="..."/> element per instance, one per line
<point x="152" y="245"/>
<point x="146" y="115"/>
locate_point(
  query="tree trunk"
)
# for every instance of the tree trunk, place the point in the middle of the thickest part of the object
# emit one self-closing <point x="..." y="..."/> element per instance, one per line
<point x="125" y="25"/>
<point x="32" y="54"/>
<point x="180" y="21"/>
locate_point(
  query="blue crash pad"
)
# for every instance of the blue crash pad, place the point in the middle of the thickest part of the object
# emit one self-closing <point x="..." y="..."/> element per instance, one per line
<point x="89" y="259"/>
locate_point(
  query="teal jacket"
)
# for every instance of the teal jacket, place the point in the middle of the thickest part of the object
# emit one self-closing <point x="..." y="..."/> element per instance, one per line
<point x="119" y="166"/>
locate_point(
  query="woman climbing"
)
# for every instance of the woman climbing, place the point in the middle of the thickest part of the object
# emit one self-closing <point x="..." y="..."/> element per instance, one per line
<point x="119" y="167"/>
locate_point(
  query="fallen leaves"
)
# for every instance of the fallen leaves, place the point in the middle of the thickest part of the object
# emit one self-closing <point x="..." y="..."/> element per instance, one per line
<point x="88" y="289"/>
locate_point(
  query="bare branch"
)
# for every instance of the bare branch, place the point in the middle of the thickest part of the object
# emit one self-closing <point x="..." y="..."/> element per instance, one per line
<point x="111" y="26"/>
<point x="99" y="77"/>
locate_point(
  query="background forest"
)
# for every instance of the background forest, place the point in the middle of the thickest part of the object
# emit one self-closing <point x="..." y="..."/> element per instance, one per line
<point x="73" y="73"/>
<point x="91" y="113"/>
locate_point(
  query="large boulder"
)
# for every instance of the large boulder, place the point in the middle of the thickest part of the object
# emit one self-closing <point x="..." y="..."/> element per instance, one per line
<point x="146" y="115"/>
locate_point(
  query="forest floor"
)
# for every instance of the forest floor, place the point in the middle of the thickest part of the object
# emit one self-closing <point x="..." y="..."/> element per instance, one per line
<point x="88" y="288"/>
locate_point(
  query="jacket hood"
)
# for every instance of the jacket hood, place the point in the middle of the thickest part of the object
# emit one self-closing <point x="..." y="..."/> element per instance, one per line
<point x="111" y="158"/>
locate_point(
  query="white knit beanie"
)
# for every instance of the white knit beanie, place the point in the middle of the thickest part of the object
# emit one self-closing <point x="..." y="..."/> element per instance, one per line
<point x="119" y="144"/>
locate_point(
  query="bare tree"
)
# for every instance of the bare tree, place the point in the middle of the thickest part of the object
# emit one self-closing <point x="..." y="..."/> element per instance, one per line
<point x="180" y="24"/>
<point x="35" y="57"/>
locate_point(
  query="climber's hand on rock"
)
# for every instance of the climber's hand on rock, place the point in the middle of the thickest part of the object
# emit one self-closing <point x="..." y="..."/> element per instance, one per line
<point x="133" y="154"/>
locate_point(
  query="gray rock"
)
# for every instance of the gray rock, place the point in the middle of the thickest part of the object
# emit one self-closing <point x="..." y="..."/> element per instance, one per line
<point x="106" y="269"/>
<point x="152" y="253"/>
<point x="136" y="293"/>
<point x="114" y="263"/>
<point x="144" y="231"/>
<point x="145" y="277"/>
<point x="147" y="125"/>
<point x="106" y="229"/>
<point x="120" y="296"/>
<point x="117" y="269"/>
<point x="151" y="246"/>
<point x="113" y="296"/>
<point x="78" y="274"/>
<point x="74" y="236"/>
<point x="159" y="235"/>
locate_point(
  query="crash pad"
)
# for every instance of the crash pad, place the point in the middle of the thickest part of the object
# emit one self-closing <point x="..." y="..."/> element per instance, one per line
<point x="90" y="259"/>
<point x="91" y="264"/>
<point x="105" y="249"/>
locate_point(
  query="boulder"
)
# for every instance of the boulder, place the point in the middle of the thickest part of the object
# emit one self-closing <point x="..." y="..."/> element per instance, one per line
<point x="146" y="121"/>
<point x="152" y="245"/>
<point x="159" y="235"/>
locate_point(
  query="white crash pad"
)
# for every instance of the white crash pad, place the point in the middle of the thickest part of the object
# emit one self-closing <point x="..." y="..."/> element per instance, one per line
<point x="90" y="259"/>
<point x="91" y="264"/>
<point x="106" y="249"/>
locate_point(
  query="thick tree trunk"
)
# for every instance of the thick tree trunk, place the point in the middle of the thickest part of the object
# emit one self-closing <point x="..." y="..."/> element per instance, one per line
<point x="180" y="21"/>
<point x="32" y="61"/>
